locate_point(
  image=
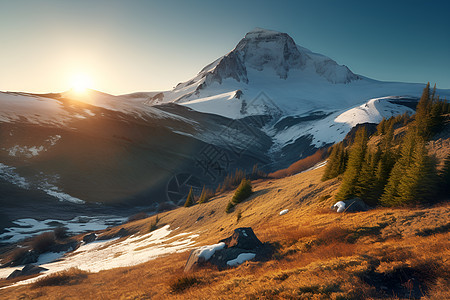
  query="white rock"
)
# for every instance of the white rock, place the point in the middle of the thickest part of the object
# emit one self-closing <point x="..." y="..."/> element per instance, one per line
<point x="284" y="211"/>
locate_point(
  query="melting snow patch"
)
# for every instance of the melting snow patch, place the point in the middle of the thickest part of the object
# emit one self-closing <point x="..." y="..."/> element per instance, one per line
<point x="28" y="227"/>
<point x="89" y="112"/>
<point x="104" y="255"/>
<point x="182" y="133"/>
<point x="53" y="139"/>
<point x="284" y="211"/>
<point x="62" y="196"/>
<point x="49" y="257"/>
<point x="240" y="259"/>
<point x="7" y="173"/>
<point x="207" y="251"/>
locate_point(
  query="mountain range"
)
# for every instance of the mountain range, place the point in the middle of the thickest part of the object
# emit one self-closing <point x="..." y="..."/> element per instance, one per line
<point x="268" y="101"/>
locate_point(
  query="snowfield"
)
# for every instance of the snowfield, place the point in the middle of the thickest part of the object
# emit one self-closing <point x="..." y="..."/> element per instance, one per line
<point x="104" y="255"/>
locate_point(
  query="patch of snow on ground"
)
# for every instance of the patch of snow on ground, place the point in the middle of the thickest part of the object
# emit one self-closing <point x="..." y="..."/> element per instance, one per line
<point x="240" y="259"/>
<point x="48" y="257"/>
<point x="89" y="112"/>
<point x="207" y="251"/>
<point x="62" y="196"/>
<point x="30" y="151"/>
<point x="8" y="173"/>
<point x="104" y="255"/>
<point x="25" y="151"/>
<point x="29" y="227"/>
<point x="284" y="211"/>
<point x="182" y="133"/>
<point x="53" y="139"/>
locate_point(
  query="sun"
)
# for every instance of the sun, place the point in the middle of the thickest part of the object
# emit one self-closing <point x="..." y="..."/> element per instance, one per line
<point x="81" y="82"/>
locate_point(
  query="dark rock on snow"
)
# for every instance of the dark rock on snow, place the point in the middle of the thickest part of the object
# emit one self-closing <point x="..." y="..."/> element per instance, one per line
<point x="28" y="257"/>
<point x="26" y="271"/>
<point x="243" y="240"/>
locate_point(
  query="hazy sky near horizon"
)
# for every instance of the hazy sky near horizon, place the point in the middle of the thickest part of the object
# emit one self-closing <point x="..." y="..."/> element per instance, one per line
<point x="128" y="46"/>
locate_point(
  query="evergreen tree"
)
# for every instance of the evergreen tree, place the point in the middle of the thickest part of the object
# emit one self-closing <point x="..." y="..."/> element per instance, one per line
<point x="445" y="178"/>
<point x="423" y="113"/>
<point x="419" y="180"/>
<point x="189" y="199"/>
<point x="391" y="196"/>
<point x="202" y="198"/>
<point x="381" y="127"/>
<point x="336" y="162"/>
<point x="354" y="166"/>
<point x="366" y="179"/>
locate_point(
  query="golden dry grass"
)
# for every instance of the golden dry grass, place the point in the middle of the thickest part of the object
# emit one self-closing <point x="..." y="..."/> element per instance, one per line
<point x="320" y="254"/>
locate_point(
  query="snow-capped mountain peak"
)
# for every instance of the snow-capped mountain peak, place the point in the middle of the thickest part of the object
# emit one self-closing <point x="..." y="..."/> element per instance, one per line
<point x="262" y="49"/>
<point x="262" y="56"/>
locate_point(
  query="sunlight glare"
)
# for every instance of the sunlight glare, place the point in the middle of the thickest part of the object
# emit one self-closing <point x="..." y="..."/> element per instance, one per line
<point x="81" y="82"/>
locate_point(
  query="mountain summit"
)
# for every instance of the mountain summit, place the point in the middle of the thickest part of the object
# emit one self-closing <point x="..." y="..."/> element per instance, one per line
<point x="273" y="55"/>
<point x="268" y="62"/>
<point x="261" y="49"/>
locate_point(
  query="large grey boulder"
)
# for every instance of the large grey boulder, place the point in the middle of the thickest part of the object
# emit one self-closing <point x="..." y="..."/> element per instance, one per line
<point x="242" y="243"/>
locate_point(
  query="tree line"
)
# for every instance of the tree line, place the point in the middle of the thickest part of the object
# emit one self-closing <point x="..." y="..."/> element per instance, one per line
<point x="398" y="170"/>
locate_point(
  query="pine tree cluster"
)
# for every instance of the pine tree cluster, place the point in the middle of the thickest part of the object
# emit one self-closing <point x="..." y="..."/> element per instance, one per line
<point x="396" y="172"/>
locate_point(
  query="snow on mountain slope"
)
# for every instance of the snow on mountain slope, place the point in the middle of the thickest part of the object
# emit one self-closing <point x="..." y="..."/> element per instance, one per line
<point x="35" y="109"/>
<point x="336" y="125"/>
<point x="295" y="79"/>
<point x="65" y="108"/>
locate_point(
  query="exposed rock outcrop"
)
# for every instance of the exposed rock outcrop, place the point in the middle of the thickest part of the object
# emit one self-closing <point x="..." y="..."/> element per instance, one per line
<point x="26" y="271"/>
<point x="242" y="245"/>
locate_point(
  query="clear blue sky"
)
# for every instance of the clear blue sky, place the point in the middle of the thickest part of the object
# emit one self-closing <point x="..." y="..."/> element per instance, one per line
<point x="127" y="46"/>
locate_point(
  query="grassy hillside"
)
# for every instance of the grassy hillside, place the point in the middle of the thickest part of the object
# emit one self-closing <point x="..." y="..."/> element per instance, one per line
<point x="385" y="252"/>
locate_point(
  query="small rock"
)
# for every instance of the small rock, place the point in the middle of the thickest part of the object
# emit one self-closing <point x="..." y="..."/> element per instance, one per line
<point x="26" y="271"/>
<point x="89" y="238"/>
<point x="122" y="233"/>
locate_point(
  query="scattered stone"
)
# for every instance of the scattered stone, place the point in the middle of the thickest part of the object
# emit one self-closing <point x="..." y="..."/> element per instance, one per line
<point x="26" y="271"/>
<point x="64" y="247"/>
<point x="352" y="205"/>
<point x="89" y="238"/>
<point x="28" y="257"/>
<point x="122" y="233"/>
